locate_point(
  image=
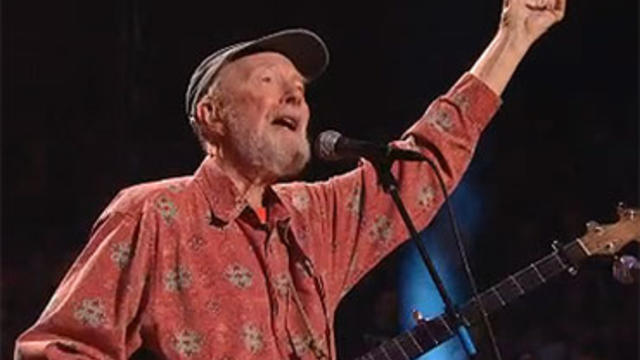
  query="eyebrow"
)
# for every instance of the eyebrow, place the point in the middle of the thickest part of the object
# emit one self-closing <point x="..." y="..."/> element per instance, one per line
<point x="297" y="76"/>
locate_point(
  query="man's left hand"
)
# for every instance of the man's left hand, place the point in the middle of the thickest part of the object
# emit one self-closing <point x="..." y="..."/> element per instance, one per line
<point x="526" y="20"/>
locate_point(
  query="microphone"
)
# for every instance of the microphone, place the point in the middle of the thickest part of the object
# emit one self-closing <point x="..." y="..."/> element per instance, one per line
<point x="330" y="145"/>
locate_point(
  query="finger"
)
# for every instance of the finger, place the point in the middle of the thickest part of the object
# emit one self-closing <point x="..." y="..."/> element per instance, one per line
<point x="545" y="4"/>
<point x="538" y="5"/>
<point x="560" y="8"/>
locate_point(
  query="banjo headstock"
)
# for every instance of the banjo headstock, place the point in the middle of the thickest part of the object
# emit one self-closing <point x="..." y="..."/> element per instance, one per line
<point x="608" y="239"/>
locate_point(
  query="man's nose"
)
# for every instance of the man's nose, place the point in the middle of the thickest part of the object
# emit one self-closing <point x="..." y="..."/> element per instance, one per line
<point x="292" y="96"/>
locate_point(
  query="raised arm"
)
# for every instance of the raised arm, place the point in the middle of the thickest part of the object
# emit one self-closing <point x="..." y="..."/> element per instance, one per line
<point x="521" y="24"/>
<point x="358" y="223"/>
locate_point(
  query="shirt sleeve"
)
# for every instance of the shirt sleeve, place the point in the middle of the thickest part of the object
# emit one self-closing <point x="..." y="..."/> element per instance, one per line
<point x="97" y="309"/>
<point x="354" y="223"/>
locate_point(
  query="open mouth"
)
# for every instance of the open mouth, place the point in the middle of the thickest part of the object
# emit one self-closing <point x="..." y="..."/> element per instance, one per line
<point x="287" y="122"/>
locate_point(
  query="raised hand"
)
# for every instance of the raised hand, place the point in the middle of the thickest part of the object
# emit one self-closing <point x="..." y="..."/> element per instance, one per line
<point x="522" y="22"/>
<point x="526" y="20"/>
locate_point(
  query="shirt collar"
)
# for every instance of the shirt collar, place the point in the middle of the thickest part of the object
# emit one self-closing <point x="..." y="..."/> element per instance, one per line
<point x="225" y="202"/>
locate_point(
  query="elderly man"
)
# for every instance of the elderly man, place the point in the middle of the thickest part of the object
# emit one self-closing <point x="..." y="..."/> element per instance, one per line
<point x="226" y="265"/>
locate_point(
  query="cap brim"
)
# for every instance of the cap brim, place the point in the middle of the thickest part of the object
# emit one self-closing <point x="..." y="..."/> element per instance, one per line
<point x="305" y="49"/>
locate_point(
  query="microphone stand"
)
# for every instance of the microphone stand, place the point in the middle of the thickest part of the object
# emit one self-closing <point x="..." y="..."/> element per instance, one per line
<point x="390" y="186"/>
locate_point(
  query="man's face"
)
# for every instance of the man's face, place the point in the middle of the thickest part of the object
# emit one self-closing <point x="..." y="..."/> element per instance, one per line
<point x="265" y="115"/>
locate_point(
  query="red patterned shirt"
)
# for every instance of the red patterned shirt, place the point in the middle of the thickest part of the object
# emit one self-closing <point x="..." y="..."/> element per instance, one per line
<point x="187" y="269"/>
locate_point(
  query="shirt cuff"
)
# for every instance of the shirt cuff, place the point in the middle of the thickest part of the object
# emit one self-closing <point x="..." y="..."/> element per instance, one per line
<point x="475" y="99"/>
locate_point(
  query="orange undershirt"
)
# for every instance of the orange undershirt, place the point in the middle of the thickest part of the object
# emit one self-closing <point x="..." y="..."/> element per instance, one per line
<point x="262" y="214"/>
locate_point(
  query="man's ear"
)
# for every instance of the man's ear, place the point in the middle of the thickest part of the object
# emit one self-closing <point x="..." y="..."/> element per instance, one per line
<point x="208" y="113"/>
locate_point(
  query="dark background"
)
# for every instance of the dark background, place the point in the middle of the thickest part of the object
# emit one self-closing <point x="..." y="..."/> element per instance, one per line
<point x="92" y="101"/>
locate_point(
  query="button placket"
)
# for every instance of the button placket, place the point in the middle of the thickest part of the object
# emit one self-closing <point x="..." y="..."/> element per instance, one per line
<point x="275" y="260"/>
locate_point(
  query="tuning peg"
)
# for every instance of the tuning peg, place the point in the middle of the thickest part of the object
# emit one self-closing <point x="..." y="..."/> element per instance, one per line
<point x="630" y="214"/>
<point x="620" y="209"/>
<point x="626" y="213"/>
<point x="594" y="226"/>
<point x="417" y="316"/>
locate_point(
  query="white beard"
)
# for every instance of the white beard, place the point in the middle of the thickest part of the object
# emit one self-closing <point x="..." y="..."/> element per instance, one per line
<point x="263" y="154"/>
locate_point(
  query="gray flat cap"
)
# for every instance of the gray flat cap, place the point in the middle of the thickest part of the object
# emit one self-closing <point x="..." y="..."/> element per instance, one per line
<point x="305" y="49"/>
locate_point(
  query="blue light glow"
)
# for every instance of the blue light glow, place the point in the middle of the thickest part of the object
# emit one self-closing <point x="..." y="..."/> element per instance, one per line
<point x="416" y="289"/>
